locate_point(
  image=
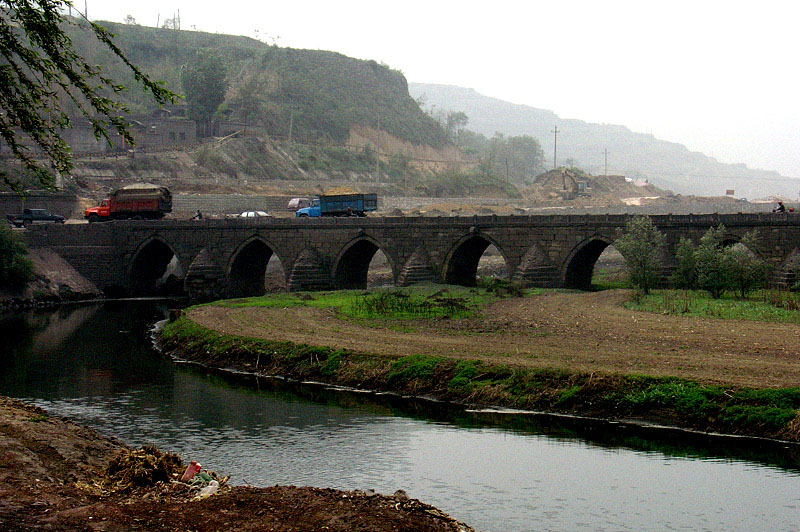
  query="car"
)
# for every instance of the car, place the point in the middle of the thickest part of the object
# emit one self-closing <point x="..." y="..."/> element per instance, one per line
<point x="34" y="216"/>
<point x="254" y="214"/>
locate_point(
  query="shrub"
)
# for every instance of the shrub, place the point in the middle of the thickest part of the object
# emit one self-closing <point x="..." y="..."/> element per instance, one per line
<point x="15" y="269"/>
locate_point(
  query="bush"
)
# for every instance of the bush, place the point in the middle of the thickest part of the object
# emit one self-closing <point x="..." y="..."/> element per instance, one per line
<point x="711" y="274"/>
<point x="641" y="245"/>
<point x="15" y="269"/>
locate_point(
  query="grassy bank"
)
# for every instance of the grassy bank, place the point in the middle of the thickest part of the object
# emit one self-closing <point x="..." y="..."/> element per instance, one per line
<point x="777" y="306"/>
<point x="680" y="402"/>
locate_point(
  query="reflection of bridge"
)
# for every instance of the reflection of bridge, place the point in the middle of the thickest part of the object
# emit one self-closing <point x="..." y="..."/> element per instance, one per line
<point x="226" y="258"/>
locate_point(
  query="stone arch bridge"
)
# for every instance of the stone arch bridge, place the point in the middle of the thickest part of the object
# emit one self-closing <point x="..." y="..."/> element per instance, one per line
<point x="228" y="258"/>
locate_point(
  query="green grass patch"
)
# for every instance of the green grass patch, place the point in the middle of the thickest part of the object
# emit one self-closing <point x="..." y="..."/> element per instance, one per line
<point x="426" y="301"/>
<point x="410" y="368"/>
<point x="697" y="303"/>
<point x="610" y="278"/>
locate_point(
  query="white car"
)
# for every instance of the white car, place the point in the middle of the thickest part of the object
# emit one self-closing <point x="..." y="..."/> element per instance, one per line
<point x="254" y="214"/>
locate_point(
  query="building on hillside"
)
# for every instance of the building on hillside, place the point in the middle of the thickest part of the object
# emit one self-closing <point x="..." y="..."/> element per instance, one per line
<point x="160" y="129"/>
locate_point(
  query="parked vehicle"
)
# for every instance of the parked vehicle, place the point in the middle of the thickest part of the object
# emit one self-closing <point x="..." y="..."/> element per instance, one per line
<point x="137" y="202"/>
<point x="34" y="216"/>
<point x="254" y="214"/>
<point x="340" y="205"/>
<point x="298" y="203"/>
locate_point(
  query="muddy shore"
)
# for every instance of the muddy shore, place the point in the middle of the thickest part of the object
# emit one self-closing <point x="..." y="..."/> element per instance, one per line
<point x="56" y="475"/>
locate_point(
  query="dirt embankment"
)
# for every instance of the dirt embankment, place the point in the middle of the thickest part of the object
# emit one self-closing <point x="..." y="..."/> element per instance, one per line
<point x="55" y="281"/>
<point x="55" y="475"/>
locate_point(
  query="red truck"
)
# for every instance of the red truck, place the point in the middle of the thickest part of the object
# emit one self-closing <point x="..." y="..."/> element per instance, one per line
<point x="136" y="202"/>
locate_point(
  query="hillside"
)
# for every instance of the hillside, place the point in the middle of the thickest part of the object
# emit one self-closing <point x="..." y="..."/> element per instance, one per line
<point x="667" y="164"/>
<point x="320" y="93"/>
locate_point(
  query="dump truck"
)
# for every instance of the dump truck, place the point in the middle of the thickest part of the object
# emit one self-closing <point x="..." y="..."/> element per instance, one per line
<point x="135" y="202"/>
<point x="340" y="205"/>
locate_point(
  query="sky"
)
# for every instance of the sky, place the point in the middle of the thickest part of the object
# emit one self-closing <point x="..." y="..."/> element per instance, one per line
<point x="722" y="78"/>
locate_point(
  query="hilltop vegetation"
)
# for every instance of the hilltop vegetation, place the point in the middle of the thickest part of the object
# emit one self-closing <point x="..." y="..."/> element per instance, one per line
<point x="322" y="94"/>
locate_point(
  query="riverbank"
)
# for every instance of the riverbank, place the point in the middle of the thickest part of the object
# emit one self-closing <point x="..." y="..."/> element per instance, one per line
<point x="576" y="353"/>
<point x="56" y="475"/>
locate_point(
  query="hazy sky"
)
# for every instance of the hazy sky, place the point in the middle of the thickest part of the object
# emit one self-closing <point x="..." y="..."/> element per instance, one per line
<point x="721" y="77"/>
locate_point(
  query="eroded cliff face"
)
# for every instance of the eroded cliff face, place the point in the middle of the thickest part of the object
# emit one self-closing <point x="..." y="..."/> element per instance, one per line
<point x="55" y="281"/>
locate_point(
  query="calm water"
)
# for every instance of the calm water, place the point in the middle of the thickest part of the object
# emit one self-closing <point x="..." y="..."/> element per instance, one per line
<point x="495" y="471"/>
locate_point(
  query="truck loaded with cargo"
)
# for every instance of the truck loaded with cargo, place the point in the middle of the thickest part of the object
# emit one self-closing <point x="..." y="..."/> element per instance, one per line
<point x="136" y="202"/>
<point x="340" y="205"/>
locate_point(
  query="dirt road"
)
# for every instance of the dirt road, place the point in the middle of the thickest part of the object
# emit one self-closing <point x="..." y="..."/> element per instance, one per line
<point x="587" y="332"/>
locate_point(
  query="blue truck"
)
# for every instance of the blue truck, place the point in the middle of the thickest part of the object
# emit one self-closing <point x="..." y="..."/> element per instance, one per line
<point x="340" y="205"/>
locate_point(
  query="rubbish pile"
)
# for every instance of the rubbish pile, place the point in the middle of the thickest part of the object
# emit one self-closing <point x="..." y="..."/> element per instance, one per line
<point x="148" y="466"/>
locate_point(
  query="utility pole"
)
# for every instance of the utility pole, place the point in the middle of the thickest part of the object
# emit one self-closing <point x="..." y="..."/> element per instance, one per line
<point x="291" y="123"/>
<point x="606" y="161"/>
<point x="555" y="146"/>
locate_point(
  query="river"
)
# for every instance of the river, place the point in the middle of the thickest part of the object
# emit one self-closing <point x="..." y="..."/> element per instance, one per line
<point x="497" y="471"/>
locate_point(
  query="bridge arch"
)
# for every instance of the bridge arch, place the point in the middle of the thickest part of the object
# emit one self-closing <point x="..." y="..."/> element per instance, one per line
<point x="155" y="269"/>
<point x="247" y="267"/>
<point x="461" y="264"/>
<point x="351" y="265"/>
<point x="578" y="268"/>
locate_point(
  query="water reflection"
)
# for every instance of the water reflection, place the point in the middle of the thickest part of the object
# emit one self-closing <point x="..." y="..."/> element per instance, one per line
<point x="495" y="471"/>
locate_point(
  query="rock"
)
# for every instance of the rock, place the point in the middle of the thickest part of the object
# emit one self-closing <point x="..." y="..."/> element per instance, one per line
<point x="401" y="495"/>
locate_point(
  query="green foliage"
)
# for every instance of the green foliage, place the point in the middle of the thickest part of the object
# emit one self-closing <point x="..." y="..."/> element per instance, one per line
<point x="699" y="304"/>
<point x="464" y="374"/>
<point x="716" y="268"/>
<point x="15" y="269"/>
<point x="685" y="275"/>
<point x="411" y="368"/>
<point x="422" y="301"/>
<point x="770" y="408"/>
<point x="641" y="244"/>
<point x="501" y="287"/>
<point x="710" y="264"/>
<point x="745" y="271"/>
<point x="510" y="159"/>
<point x="203" y="81"/>
<point x="47" y="82"/>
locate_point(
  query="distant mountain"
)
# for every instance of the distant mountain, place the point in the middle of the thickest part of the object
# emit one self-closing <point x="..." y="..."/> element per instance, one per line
<point x="666" y="164"/>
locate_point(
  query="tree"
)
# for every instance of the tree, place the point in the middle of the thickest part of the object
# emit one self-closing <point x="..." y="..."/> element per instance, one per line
<point x="685" y="275"/>
<point x="456" y="122"/>
<point x="745" y="272"/>
<point x="205" y="84"/>
<point x="711" y="274"/>
<point x="130" y="20"/>
<point x="641" y="244"/>
<point x="40" y="72"/>
<point x="15" y="269"/>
